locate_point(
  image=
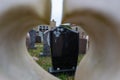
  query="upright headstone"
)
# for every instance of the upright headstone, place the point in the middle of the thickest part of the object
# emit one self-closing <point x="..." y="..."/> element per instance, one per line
<point x="83" y="46"/>
<point x="28" y="40"/>
<point x="64" y="49"/>
<point x="46" y="44"/>
<point x="32" y="38"/>
<point x="38" y="38"/>
<point x="83" y="43"/>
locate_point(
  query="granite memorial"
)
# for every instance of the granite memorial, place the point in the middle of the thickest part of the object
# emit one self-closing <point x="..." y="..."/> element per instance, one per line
<point x="64" y="50"/>
<point x="32" y="38"/>
<point x="46" y="44"/>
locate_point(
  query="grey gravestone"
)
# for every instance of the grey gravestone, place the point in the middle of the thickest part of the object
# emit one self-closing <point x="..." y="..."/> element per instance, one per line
<point x="32" y="38"/>
<point x="46" y="44"/>
<point x="38" y="38"/>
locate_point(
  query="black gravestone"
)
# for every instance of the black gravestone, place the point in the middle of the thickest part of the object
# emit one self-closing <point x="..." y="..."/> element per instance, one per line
<point x="64" y="49"/>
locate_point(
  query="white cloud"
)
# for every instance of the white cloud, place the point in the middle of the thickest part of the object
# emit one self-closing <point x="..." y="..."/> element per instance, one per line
<point x="57" y="11"/>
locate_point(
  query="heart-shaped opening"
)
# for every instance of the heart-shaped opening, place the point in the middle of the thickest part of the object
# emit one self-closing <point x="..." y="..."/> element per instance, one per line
<point x="100" y="63"/>
<point x="40" y="50"/>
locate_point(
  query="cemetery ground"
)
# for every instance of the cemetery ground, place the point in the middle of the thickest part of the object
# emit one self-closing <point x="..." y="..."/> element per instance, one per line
<point x="45" y="62"/>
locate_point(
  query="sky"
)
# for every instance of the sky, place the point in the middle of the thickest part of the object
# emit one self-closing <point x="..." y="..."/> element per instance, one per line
<point x="57" y="11"/>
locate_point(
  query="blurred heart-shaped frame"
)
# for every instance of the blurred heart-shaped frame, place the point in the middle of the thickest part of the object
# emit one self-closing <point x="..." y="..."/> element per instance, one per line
<point x="98" y="18"/>
<point x="17" y="17"/>
<point x="101" y="21"/>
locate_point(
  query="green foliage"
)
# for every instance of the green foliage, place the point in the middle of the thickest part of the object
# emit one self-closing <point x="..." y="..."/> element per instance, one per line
<point x="45" y="62"/>
<point x="66" y="26"/>
<point x="65" y="77"/>
<point x="36" y="52"/>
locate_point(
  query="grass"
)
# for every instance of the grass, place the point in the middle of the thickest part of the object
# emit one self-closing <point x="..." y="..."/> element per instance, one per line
<point x="45" y="62"/>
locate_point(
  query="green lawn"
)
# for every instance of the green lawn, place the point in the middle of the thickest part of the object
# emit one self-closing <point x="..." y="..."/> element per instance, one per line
<point x="45" y="62"/>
